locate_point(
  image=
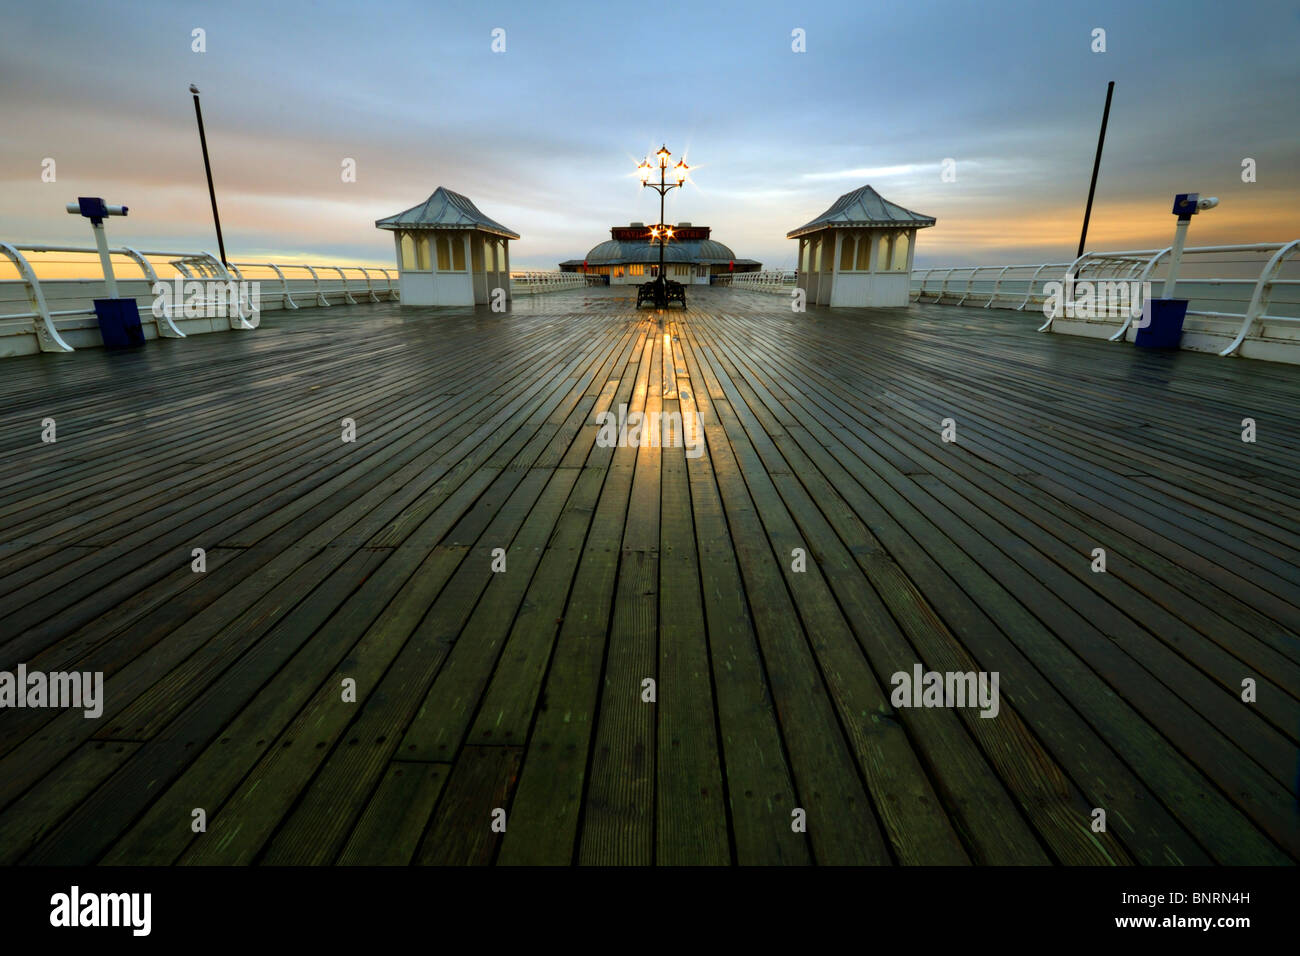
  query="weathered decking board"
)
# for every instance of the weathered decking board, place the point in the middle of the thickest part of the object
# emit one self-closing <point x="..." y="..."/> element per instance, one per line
<point x="523" y="690"/>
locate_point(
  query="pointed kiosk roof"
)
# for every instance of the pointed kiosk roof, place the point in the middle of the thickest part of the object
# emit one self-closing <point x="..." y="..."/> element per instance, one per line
<point x="445" y="210"/>
<point x="863" y="207"/>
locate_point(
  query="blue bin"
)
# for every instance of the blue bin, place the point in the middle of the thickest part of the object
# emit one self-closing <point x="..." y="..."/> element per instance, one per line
<point x="1166" y="327"/>
<point x="119" y="322"/>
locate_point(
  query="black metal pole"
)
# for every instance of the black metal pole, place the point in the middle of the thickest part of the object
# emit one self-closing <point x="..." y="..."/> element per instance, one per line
<point x="663" y="233"/>
<point x="207" y="166"/>
<point x="1096" y="166"/>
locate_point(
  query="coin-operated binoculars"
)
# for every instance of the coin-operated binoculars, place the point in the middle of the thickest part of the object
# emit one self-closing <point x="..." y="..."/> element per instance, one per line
<point x="119" y="319"/>
<point x="1162" y="326"/>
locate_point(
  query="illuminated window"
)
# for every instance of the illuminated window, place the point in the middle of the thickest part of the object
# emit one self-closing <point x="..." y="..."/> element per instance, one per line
<point x="458" y="254"/>
<point x="899" y="262"/>
<point x="864" y="253"/>
<point x="636" y="270"/>
<point x="489" y="255"/>
<point x="422" y="253"/>
<point x="882" y="257"/>
<point x="444" y="254"/>
<point x="408" y="251"/>
<point x="848" y="245"/>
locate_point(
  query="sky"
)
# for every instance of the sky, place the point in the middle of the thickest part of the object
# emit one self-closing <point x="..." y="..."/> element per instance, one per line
<point x="545" y="135"/>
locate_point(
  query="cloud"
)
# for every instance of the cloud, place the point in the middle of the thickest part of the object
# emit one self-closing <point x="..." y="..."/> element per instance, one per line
<point x="864" y="173"/>
<point x="544" y="136"/>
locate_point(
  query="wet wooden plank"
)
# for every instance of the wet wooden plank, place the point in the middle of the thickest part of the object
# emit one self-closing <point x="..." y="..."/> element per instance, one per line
<point x="522" y="691"/>
<point x="394" y="821"/>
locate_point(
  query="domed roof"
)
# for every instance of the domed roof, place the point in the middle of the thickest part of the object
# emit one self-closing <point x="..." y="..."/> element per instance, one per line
<point x="701" y="251"/>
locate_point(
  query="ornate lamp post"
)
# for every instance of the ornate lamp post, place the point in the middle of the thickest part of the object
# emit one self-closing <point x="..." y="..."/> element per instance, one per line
<point x="660" y="232"/>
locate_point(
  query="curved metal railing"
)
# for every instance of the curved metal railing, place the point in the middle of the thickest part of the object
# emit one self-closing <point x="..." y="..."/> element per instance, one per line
<point x="528" y="282"/>
<point x="765" y="280"/>
<point x="1204" y="282"/>
<point x="277" y="284"/>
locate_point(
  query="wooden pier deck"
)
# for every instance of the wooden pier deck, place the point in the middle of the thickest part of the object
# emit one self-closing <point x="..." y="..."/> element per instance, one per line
<point x="523" y="690"/>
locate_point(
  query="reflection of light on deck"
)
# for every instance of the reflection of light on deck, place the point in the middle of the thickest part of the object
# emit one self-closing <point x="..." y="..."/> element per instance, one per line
<point x="669" y="379"/>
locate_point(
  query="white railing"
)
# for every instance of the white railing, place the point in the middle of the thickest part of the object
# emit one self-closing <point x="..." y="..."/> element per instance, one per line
<point x="1006" y="287"/>
<point x="60" y="307"/>
<point x="767" y="280"/>
<point x="534" y="283"/>
<point x="1238" y="289"/>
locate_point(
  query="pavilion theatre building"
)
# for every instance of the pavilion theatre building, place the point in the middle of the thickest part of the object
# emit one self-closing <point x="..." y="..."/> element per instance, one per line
<point x="630" y="257"/>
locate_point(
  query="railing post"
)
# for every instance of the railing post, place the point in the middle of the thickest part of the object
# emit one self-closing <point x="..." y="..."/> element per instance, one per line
<point x="1259" y="297"/>
<point x="970" y="281"/>
<point x="286" y="300"/>
<point x="1072" y="270"/>
<point x="1029" y="292"/>
<point x="1145" y="277"/>
<point x="997" y="284"/>
<point x="346" y="294"/>
<point x="47" y="336"/>
<point x="237" y="321"/>
<point x="943" y="289"/>
<point x="920" y="289"/>
<point x="370" y="286"/>
<point x="166" y="327"/>
<point x="320" y="298"/>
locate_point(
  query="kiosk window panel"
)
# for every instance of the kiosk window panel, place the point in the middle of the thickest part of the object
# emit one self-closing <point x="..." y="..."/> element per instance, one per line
<point x="882" y="257"/>
<point x="848" y="244"/>
<point x="899" y="261"/>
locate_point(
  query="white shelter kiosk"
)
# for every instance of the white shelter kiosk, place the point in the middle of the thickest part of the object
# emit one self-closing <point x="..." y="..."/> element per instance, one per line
<point x="859" y="252"/>
<point x="449" y="253"/>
